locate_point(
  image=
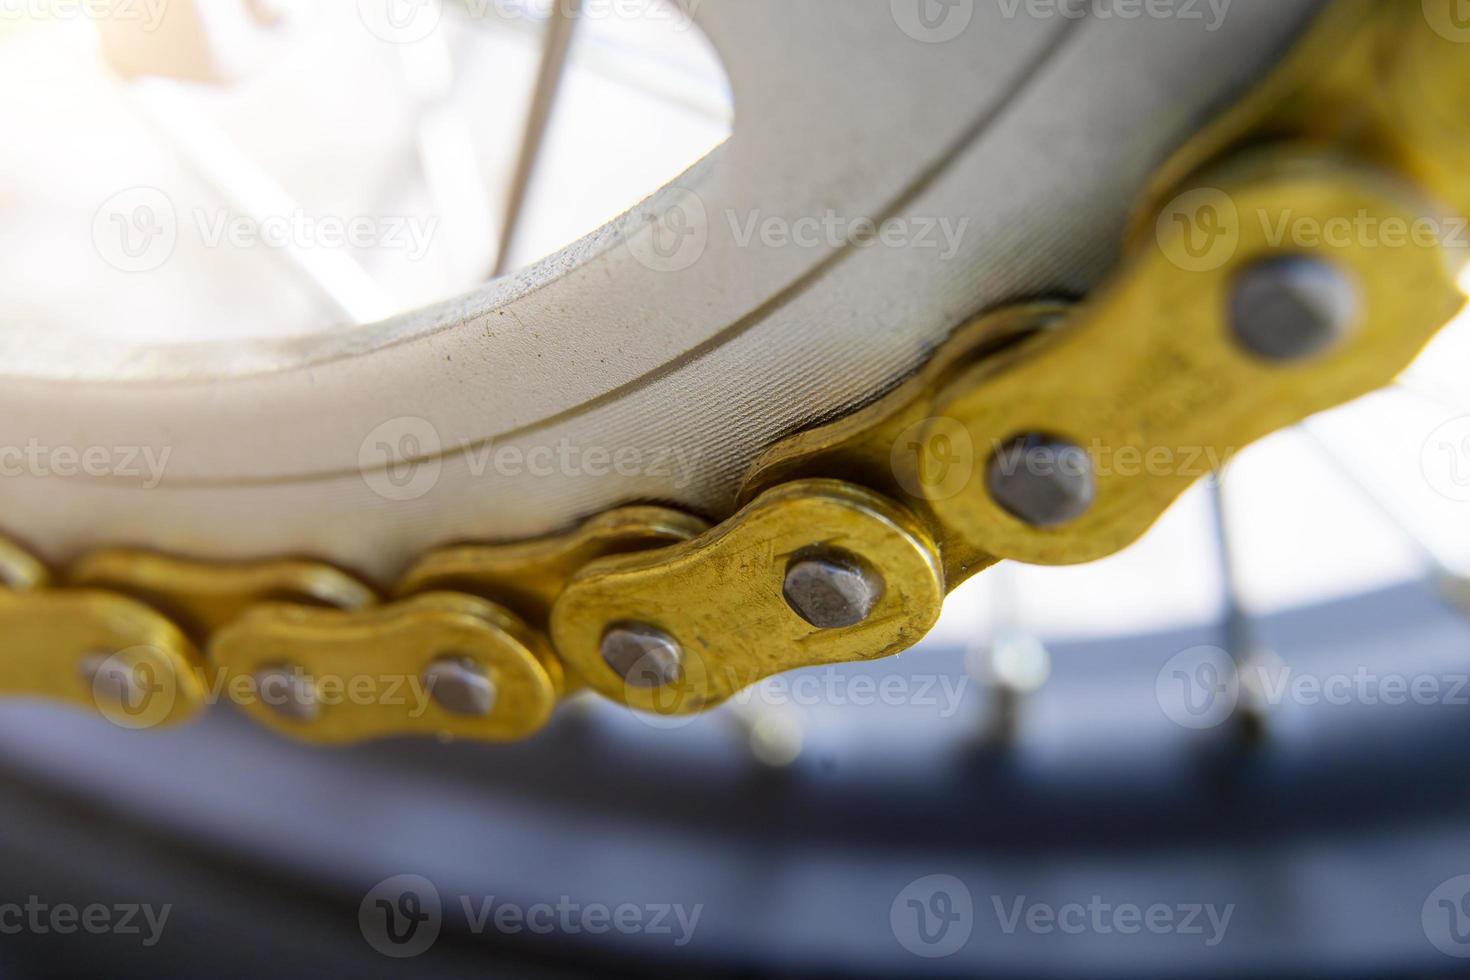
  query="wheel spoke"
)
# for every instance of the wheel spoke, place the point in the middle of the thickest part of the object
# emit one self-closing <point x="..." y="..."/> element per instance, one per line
<point x="230" y="172"/>
<point x="1012" y="666"/>
<point x="1242" y="639"/>
<point x="773" y="735"/>
<point x="560" y="27"/>
<point x="448" y="160"/>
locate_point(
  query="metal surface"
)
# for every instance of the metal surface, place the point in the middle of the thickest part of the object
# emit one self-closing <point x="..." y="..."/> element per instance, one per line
<point x="720" y="596"/>
<point x="375" y="661"/>
<point x="202" y="597"/>
<point x="19" y="569"/>
<point x="526" y="577"/>
<point x="1149" y="368"/>
<point x="74" y="645"/>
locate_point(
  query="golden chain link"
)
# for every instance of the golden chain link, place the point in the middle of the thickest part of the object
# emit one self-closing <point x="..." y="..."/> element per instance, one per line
<point x="850" y="535"/>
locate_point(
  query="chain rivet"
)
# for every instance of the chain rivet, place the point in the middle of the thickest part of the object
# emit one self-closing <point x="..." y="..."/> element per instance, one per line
<point x="460" y="686"/>
<point x="643" y="655"/>
<point x="288" y="691"/>
<point x="831" y="591"/>
<point x="1294" y="307"/>
<point x="1044" y="481"/>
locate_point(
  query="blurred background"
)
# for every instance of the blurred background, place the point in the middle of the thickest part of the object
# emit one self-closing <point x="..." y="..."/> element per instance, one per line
<point x="1254" y="721"/>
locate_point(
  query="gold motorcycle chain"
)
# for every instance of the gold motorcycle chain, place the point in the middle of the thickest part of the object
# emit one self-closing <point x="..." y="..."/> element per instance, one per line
<point x="1248" y="297"/>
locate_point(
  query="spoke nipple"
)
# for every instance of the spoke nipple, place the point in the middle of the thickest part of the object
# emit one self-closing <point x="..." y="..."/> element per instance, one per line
<point x="831" y="591"/>
<point x="643" y="655"/>
<point x="460" y="686"/>
<point x="1043" y="481"/>
<point x="289" y="692"/>
<point x="1294" y="307"/>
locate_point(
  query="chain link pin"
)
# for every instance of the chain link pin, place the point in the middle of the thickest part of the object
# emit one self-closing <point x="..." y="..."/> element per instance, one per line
<point x="831" y="592"/>
<point x="289" y="692"/>
<point x="460" y="686"/>
<point x="642" y="655"/>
